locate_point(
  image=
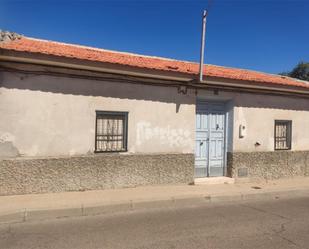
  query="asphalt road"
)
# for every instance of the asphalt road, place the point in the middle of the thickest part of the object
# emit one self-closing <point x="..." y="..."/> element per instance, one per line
<point x="272" y="224"/>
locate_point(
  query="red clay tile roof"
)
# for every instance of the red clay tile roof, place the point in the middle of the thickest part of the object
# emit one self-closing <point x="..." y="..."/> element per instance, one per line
<point x="31" y="45"/>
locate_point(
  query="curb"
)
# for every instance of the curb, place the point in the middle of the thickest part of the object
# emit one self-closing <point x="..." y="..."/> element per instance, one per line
<point x="28" y="215"/>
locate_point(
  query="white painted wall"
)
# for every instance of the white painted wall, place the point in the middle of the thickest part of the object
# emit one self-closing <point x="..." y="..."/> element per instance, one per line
<point x="258" y="114"/>
<point x="53" y="116"/>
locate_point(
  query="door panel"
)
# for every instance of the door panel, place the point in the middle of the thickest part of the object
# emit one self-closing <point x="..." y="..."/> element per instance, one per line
<point x="210" y="139"/>
<point x="201" y="144"/>
<point x="217" y="148"/>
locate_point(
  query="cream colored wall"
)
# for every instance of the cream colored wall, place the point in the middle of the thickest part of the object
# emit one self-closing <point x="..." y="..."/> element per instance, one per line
<point x="53" y="116"/>
<point x="258" y="114"/>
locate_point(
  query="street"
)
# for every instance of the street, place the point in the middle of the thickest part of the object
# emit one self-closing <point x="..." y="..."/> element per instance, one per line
<point x="282" y="223"/>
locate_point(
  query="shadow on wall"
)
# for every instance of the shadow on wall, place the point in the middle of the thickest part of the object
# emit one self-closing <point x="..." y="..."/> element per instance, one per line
<point x="96" y="88"/>
<point x="271" y="102"/>
<point x="138" y="91"/>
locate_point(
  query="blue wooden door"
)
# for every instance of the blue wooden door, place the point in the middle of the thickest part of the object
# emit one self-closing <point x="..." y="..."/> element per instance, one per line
<point x="210" y="139"/>
<point x="201" y="143"/>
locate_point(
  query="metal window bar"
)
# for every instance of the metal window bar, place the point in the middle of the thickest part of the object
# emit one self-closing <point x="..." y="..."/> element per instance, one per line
<point x="283" y="134"/>
<point x="111" y="132"/>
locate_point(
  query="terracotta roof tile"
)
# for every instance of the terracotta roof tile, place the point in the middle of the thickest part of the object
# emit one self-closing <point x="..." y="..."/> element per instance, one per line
<point x="156" y="63"/>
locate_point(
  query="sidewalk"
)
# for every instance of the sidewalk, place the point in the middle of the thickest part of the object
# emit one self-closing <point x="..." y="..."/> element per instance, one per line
<point x="20" y="208"/>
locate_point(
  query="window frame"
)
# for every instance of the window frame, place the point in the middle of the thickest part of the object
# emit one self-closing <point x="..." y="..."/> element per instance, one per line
<point x="289" y="134"/>
<point x="125" y="130"/>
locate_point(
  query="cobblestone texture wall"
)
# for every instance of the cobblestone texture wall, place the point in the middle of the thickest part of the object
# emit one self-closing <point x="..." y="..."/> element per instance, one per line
<point x="104" y="171"/>
<point x="268" y="165"/>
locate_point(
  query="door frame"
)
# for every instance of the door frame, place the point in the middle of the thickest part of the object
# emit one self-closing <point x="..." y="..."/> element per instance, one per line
<point x="226" y="131"/>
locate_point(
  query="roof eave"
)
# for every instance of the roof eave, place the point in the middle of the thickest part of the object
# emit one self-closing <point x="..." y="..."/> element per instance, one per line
<point x="186" y="78"/>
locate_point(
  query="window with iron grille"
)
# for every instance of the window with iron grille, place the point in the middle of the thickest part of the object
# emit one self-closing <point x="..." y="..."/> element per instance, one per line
<point x="111" y="131"/>
<point x="283" y="134"/>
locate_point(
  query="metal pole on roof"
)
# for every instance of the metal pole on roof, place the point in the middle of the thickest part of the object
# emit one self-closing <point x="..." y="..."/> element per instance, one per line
<point x="203" y="45"/>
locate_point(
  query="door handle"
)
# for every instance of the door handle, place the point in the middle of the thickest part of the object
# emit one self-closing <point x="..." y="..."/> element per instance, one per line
<point x="201" y="143"/>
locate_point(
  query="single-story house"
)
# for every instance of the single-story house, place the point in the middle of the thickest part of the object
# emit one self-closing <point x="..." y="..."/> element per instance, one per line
<point x="77" y="118"/>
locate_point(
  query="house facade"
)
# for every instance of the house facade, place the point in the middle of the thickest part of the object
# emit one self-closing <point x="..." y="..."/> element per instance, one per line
<point x="78" y="118"/>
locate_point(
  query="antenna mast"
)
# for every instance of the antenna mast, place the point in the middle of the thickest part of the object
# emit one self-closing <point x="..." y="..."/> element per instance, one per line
<point x="203" y="45"/>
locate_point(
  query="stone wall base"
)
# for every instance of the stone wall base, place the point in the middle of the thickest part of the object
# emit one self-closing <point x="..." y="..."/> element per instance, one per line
<point x="268" y="165"/>
<point x="102" y="171"/>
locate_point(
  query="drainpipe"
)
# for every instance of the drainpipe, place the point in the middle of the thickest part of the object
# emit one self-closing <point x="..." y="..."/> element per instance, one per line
<point x="202" y="46"/>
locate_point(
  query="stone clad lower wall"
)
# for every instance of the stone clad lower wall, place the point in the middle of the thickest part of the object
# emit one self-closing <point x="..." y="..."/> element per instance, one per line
<point x="104" y="171"/>
<point x="268" y="165"/>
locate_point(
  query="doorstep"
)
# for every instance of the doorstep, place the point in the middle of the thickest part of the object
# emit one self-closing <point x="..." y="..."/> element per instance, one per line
<point x="214" y="180"/>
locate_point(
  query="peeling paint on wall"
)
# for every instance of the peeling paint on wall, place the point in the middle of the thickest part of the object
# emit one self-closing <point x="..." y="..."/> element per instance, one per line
<point x="7" y="149"/>
<point x="6" y="137"/>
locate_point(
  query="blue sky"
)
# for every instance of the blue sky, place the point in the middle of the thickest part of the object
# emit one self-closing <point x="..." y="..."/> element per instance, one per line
<point x="269" y="36"/>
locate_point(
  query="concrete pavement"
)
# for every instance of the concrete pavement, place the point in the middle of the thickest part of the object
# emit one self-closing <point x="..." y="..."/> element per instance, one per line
<point x="54" y="205"/>
<point x="277" y="224"/>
